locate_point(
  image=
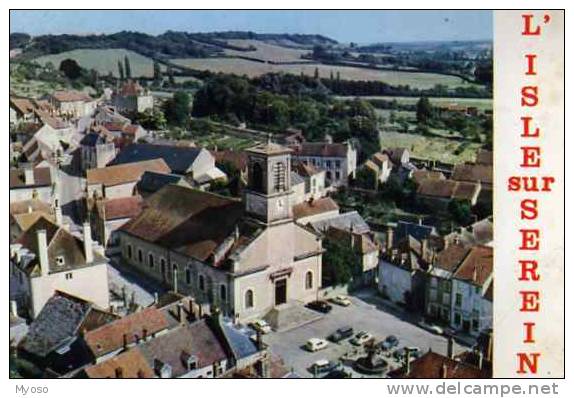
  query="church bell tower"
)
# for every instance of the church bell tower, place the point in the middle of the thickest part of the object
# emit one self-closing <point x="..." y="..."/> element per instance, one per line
<point x="269" y="183"/>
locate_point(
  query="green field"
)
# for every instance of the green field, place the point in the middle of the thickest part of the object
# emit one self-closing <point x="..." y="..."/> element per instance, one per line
<point x="104" y="61"/>
<point x="253" y="69"/>
<point x="266" y="52"/>
<point x="432" y="148"/>
<point x="480" y="103"/>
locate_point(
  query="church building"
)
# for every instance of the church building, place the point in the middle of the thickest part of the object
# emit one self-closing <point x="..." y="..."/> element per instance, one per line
<point x="247" y="256"/>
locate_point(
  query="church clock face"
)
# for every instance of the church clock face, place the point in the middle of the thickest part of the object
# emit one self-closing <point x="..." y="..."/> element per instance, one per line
<point x="280" y="204"/>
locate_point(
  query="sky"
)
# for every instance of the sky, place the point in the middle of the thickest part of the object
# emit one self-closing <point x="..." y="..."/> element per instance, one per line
<point x="344" y="26"/>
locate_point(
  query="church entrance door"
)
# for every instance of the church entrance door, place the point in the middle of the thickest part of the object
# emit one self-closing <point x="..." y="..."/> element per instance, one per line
<point x="281" y="291"/>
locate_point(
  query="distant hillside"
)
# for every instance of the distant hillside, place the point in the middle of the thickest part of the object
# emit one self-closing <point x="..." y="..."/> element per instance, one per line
<point x="167" y="45"/>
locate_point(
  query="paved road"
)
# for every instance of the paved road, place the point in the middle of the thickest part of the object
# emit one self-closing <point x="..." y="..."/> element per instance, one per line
<point x="368" y="312"/>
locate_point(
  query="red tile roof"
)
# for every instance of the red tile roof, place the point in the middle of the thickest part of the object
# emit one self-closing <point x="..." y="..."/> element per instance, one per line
<point x="435" y="366"/>
<point x="110" y="337"/>
<point x="112" y="209"/>
<point x="473" y="172"/>
<point x="477" y="266"/>
<point x="125" y="173"/>
<point x="128" y="365"/>
<point x="131" y="88"/>
<point x="314" y="207"/>
<point x="42" y="177"/>
<point x="71" y="96"/>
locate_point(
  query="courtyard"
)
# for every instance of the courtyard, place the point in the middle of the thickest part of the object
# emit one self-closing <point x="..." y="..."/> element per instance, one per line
<point x="368" y="312"/>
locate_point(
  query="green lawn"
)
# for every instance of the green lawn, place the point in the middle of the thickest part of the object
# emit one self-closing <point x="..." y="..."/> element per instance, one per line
<point x="432" y="148"/>
<point x="480" y="103"/>
<point x="104" y="61"/>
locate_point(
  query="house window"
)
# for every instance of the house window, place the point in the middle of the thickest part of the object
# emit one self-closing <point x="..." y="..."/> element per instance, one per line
<point x="328" y="164"/>
<point x="458" y="300"/>
<point x="140" y="255"/>
<point x="337" y="175"/>
<point x="328" y="175"/>
<point x="188" y="276"/>
<point x="69" y="275"/>
<point x="249" y="299"/>
<point x="309" y="280"/>
<point x="337" y="164"/>
<point x="130" y="252"/>
<point x="201" y="283"/>
<point x="150" y="260"/>
<point x="457" y="318"/>
<point x="162" y="266"/>
<point x="223" y="293"/>
<point x="257" y="177"/>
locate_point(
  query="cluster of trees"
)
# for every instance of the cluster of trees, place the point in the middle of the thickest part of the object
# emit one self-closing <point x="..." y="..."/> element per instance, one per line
<point x="275" y="104"/>
<point x="472" y="127"/>
<point x="340" y="263"/>
<point x="166" y="45"/>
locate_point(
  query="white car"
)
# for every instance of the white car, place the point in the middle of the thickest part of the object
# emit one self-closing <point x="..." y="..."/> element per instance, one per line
<point x="361" y="338"/>
<point x="341" y="300"/>
<point x="316" y="344"/>
<point x="261" y="326"/>
<point x="432" y="328"/>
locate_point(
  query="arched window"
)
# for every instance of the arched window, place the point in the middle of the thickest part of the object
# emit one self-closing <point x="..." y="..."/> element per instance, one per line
<point x="257" y="177"/>
<point x="140" y="256"/>
<point x="249" y="299"/>
<point x="309" y="280"/>
<point x="222" y="293"/>
<point x="150" y="260"/>
<point x="201" y="283"/>
<point x="130" y="252"/>
<point x="279" y="176"/>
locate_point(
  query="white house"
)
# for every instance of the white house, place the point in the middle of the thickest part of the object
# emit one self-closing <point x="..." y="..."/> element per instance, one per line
<point x="339" y="160"/>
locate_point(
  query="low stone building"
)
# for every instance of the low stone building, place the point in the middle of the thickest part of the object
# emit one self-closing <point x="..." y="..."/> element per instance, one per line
<point x="73" y="104"/>
<point x="132" y="98"/>
<point x="112" y="214"/>
<point x="28" y="183"/>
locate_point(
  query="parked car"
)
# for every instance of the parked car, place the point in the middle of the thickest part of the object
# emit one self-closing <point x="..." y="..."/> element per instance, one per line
<point x="389" y="343"/>
<point x="260" y="326"/>
<point x="341" y="334"/>
<point x="362" y="338"/>
<point x="321" y="306"/>
<point x="401" y="352"/>
<point x="341" y="300"/>
<point x="338" y="374"/>
<point x="322" y="366"/>
<point x="431" y="328"/>
<point x="316" y="344"/>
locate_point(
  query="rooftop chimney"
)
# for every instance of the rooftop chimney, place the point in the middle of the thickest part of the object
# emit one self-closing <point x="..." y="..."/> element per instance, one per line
<point x="444" y="371"/>
<point x="29" y="176"/>
<point x="58" y="212"/>
<point x="480" y="359"/>
<point x="174" y="279"/>
<point x="88" y="247"/>
<point x="407" y="361"/>
<point x="43" y="252"/>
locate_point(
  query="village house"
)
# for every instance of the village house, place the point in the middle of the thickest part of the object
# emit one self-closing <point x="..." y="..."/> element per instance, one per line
<point x="479" y="173"/>
<point x="438" y="193"/>
<point x="381" y="166"/>
<point x="47" y="258"/>
<point x="128" y="133"/>
<point x="119" y="181"/>
<point x="110" y="215"/>
<point x="97" y="148"/>
<point x="73" y="104"/>
<point x="249" y="261"/>
<point x="132" y="98"/>
<point x="25" y="213"/>
<point x="315" y="210"/>
<point x="49" y="138"/>
<point x="22" y="111"/>
<point x="314" y="182"/>
<point x="107" y="114"/>
<point x="54" y="340"/>
<point x="28" y="183"/>
<point x="421" y="175"/>
<point x="196" y="164"/>
<point x="480" y="232"/>
<point x="339" y="160"/>
<point x="402" y="269"/>
<point x="458" y="288"/>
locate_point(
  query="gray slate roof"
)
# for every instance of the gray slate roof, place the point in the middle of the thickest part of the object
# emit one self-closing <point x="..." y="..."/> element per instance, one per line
<point x="344" y="222"/>
<point x="56" y="325"/>
<point x="153" y="182"/>
<point x="179" y="159"/>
